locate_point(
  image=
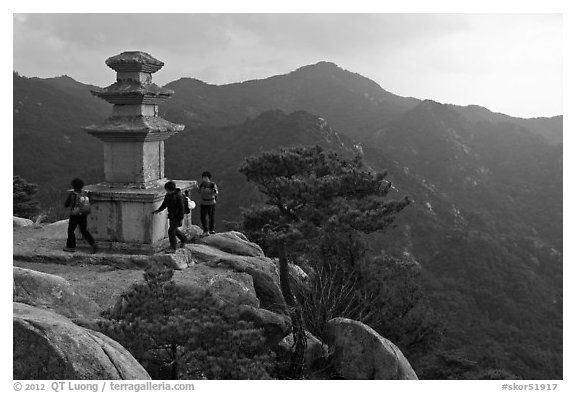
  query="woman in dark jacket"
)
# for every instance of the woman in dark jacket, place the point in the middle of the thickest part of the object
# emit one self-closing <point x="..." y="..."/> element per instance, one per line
<point x="174" y="201"/>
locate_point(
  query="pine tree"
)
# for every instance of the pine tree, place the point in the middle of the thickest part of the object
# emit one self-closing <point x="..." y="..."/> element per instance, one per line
<point x="168" y="327"/>
<point x="312" y="195"/>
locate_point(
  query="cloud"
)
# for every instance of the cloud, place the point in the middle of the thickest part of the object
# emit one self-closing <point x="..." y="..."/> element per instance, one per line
<point x="422" y="55"/>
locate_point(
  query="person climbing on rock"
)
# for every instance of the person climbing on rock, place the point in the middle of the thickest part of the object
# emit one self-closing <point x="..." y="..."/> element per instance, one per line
<point x="208" y="196"/>
<point x="79" y="205"/>
<point x="174" y="201"/>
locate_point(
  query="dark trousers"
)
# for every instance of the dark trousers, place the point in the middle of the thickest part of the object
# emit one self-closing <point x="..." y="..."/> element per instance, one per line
<point x="82" y="221"/>
<point x="174" y="232"/>
<point x="207" y="217"/>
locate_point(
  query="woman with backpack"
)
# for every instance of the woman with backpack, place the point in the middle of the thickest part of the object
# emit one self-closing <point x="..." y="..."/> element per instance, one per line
<point x="79" y="205"/>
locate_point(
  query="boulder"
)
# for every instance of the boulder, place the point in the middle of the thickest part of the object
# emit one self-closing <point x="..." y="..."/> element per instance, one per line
<point x="234" y="243"/>
<point x="298" y="277"/>
<point x="21" y="222"/>
<point x="263" y="271"/>
<point x="47" y="345"/>
<point x="56" y="229"/>
<point x="231" y="291"/>
<point x="297" y="273"/>
<point x="315" y="350"/>
<point x="361" y="353"/>
<point x="193" y="233"/>
<point x="181" y="259"/>
<point x="275" y="326"/>
<point x="51" y="292"/>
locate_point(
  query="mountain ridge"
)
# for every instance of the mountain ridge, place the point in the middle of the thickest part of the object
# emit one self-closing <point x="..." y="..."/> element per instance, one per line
<point x="366" y="95"/>
<point x="549" y="127"/>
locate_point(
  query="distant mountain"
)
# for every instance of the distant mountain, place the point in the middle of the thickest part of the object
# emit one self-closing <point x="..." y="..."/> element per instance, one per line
<point x="486" y="222"/>
<point x="354" y="104"/>
<point x="77" y="89"/>
<point x="50" y="146"/>
<point x="550" y="128"/>
<point x="462" y="156"/>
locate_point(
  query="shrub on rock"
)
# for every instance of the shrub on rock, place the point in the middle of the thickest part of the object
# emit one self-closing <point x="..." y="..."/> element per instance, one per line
<point x="23" y="193"/>
<point x="180" y="333"/>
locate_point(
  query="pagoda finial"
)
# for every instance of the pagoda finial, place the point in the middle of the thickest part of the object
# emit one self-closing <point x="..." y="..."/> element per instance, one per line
<point x="134" y="61"/>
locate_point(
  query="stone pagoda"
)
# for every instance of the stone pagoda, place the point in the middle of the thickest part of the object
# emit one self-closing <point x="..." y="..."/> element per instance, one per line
<point x="133" y="138"/>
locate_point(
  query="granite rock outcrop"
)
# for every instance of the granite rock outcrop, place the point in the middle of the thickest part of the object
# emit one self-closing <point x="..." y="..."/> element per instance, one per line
<point x="48" y="345"/>
<point x="359" y="352"/>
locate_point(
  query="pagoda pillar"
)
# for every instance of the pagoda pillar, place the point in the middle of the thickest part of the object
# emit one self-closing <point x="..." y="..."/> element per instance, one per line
<point x="133" y="138"/>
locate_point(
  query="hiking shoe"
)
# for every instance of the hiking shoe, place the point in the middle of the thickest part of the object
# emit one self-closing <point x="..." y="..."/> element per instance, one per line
<point x="94" y="249"/>
<point x="170" y="251"/>
<point x="182" y="244"/>
<point x="69" y="249"/>
<point x="212" y="232"/>
<point x="204" y="234"/>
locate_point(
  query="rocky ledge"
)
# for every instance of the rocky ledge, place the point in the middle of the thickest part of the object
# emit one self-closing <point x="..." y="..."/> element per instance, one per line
<point x="58" y="296"/>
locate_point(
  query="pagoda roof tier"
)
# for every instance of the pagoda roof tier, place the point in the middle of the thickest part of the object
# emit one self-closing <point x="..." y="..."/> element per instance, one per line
<point x="134" y="61"/>
<point x="133" y="92"/>
<point x="134" y="129"/>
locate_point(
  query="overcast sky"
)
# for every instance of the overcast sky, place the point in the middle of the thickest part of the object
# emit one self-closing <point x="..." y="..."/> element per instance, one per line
<point x="509" y="63"/>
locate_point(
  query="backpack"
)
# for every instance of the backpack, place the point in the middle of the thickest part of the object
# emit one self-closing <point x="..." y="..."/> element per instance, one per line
<point x="81" y="205"/>
<point x="187" y="201"/>
<point x="212" y="187"/>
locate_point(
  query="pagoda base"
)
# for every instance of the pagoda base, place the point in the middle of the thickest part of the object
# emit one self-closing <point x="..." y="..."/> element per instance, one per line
<point x="122" y="219"/>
